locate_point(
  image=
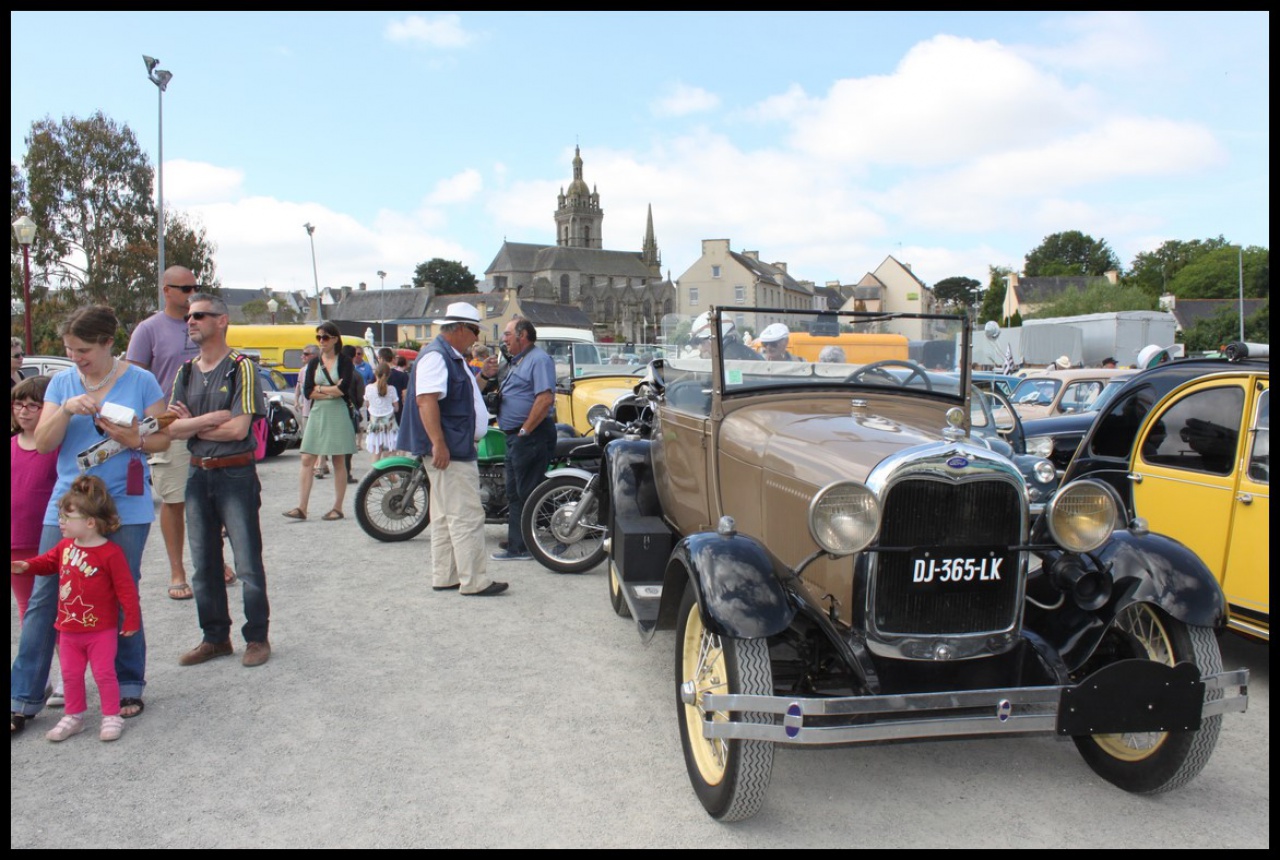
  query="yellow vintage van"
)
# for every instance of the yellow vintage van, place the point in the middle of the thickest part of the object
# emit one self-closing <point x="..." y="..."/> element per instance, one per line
<point x="280" y="346"/>
<point x="858" y="348"/>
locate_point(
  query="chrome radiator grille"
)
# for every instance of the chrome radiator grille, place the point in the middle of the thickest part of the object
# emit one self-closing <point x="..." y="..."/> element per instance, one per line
<point x="947" y="519"/>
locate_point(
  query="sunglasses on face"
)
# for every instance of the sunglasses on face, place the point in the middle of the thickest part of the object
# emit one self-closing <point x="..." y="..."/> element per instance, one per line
<point x="474" y="329"/>
<point x="186" y="288"/>
<point x="324" y="338"/>
<point x="199" y="316"/>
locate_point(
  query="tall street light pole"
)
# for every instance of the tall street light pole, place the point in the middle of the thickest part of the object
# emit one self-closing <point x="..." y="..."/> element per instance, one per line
<point x="25" y="229"/>
<point x="1240" y="268"/>
<point x="382" y="323"/>
<point x="311" y="232"/>
<point x="160" y="78"/>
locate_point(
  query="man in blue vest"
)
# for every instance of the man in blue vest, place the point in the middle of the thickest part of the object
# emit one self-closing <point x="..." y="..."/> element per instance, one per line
<point x="449" y="418"/>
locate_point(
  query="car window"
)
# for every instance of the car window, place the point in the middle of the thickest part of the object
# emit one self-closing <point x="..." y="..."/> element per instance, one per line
<point x="1078" y="395"/>
<point x="1260" y="449"/>
<point x="1100" y="402"/>
<point x="1198" y="433"/>
<point x="1037" y="391"/>
<point x="1115" y="433"/>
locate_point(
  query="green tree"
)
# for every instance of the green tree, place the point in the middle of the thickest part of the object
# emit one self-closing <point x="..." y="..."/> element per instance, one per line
<point x="449" y="277"/>
<point x="1152" y="271"/>
<point x="993" y="299"/>
<point x="1098" y="298"/>
<point x="90" y="193"/>
<point x="1216" y="274"/>
<point x="1070" y="253"/>
<point x="957" y="292"/>
<point x="187" y="244"/>
<point x="1224" y="327"/>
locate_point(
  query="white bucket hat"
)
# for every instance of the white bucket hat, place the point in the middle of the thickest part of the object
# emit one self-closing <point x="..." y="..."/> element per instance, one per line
<point x="774" y="333"/>
<point x="459" y="312"/>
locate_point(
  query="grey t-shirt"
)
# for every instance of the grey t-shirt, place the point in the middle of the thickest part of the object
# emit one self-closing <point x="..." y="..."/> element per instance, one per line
<point x="231" y="385"/>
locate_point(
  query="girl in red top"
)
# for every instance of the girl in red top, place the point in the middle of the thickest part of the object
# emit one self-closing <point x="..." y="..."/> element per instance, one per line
<point x="95" y="592"/>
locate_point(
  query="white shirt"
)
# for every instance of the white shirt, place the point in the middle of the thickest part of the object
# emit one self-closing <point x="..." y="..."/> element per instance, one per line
<point x="432" y="377"/>
<point x="380" y="406"/>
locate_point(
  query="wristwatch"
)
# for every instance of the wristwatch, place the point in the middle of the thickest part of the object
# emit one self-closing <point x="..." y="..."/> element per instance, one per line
<point x="523" y="432"/>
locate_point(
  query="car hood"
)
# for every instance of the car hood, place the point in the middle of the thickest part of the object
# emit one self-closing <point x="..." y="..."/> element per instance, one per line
<point x="818" y="441"/>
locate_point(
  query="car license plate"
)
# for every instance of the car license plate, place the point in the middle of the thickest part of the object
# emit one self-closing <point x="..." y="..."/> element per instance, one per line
<point x="961" y="568"/>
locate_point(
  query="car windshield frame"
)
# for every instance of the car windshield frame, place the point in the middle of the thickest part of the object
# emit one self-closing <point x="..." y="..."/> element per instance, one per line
<point x="891" y="347"/>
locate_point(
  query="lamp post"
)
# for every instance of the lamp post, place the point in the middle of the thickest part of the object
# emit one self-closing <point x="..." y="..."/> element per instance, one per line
<point x="160" y="78"/>
<point x="25" y="229"/>
<point x="382" y="323"/>
<point x="1240" y="268"/>
<point x="273" y="306"/>
<point x="311" y="233"/>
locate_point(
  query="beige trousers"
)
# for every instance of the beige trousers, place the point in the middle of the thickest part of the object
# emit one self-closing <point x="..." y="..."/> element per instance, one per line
<point x="457" y="527"/>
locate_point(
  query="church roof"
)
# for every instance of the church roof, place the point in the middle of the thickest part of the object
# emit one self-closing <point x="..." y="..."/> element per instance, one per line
<point x="530" y="258"/>
<point x="548" y="313"/>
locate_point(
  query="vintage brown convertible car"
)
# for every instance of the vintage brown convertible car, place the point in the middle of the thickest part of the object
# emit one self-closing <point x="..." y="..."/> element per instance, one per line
<point x="842" y="562"/>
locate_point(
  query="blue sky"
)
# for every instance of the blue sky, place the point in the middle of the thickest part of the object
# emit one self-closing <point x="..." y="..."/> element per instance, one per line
<point x="952" y="141"/>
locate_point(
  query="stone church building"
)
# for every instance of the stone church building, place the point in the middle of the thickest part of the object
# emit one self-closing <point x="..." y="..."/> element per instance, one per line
<point x="623" y="293"/>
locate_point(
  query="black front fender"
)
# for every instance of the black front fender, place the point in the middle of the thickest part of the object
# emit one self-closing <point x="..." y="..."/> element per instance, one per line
<point x="737" y="582"/>
<point x="627" y="478"/>
<point x="1149" y="568"/>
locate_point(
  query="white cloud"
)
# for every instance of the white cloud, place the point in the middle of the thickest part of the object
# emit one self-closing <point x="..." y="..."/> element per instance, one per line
<point x="683" y="99"/>
<point x="195" y="181"/>
<point x="442" y="31"/>
<point x="458" y="188"/>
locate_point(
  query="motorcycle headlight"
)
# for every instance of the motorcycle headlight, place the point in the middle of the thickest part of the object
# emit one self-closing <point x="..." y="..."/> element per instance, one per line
<point x="844" y="517"/>
<point x="1040" y="446"/>
<point x="1081" y="516"/>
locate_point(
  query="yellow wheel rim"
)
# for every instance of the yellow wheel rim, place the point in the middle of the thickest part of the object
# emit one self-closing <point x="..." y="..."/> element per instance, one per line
<point x="704" y="665"/>
<point x="1143" y="627"/>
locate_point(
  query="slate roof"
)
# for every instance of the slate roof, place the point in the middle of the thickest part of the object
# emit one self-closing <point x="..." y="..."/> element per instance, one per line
<point x="767" y="272"/>
<point x="527" y="257"/>
<point x="381" y="304"/>
<point x="1188" y="312"/>
<point x="491" y="305"/>
<point x="546" y="313"/>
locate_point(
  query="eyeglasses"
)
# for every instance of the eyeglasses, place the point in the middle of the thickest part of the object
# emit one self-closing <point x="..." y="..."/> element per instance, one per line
<point x="324" y="338"/>
<point x="474" y="329"/>
<point x="199" y="315"/>
<point x="27" y="406"/>
<point x="62" y="518"/>
<point x="19" y="354"/>
<point x="186" y="288"/>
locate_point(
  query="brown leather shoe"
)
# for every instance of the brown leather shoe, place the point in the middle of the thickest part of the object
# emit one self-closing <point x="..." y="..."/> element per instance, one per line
<point x="204" y="652"/>
<point x="256" y="653"/>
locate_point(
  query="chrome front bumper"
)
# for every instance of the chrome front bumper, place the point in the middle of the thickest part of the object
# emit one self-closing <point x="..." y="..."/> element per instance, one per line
<point x="863" y="719"/>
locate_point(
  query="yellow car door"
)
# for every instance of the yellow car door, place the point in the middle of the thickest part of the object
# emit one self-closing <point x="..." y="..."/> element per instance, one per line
<point x="1249" y="549"/>
<point x="1183" y="466"/>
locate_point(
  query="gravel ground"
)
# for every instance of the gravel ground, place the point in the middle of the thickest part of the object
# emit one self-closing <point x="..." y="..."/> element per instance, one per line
<point x="392" y="716"/>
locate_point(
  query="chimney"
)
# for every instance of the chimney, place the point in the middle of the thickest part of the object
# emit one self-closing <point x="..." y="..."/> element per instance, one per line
<point x="361" y="287"/>
<point x="781" y="267"/>
<point x="346" y="291"/>
<point x="752" y="255"/>
<point x="1113" y="277"/>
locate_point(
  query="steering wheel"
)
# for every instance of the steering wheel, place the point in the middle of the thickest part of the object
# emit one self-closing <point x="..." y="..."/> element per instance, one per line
<point x="877" y="369"/>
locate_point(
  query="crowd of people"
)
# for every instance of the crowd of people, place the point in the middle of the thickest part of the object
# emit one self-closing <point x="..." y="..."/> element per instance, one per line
<point x="95" y="450"/>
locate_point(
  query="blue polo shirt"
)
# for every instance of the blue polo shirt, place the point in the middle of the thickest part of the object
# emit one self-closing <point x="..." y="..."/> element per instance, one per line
<point x="531" y="373"/>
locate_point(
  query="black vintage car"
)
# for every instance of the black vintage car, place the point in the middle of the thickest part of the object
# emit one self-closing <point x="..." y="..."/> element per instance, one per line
<point x="843" y="562"/>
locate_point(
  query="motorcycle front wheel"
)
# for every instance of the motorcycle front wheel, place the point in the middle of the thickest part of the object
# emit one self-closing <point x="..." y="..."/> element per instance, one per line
<point x="548" y="533"/>
<point x="391" y="503"/>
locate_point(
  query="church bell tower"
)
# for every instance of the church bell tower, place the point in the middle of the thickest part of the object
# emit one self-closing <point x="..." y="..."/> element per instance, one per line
<point x="579" y="217"/>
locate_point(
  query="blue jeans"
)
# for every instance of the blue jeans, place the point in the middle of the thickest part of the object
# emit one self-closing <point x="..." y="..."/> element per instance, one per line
<point x="525" y="466"/>
<point x="30" y="671"/>
<point x="228" y="497"/>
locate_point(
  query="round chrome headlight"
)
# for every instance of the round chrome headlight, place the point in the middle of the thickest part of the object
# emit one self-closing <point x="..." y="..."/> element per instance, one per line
<point x="598" y="413"/>
<point x="1082" y="516"/>
<point x="844" y="517"/>
<point x="1044" y="472"/>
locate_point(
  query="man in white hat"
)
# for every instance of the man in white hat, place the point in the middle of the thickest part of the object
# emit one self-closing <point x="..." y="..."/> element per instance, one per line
<point x="773" y="343"/>
<point x="449" y="419"/>
<point x="700" y="336"/>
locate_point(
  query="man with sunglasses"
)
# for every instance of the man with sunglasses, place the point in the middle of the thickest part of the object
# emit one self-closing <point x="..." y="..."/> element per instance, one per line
<point x="216" y="397"/>
<point x="160" y="344"/>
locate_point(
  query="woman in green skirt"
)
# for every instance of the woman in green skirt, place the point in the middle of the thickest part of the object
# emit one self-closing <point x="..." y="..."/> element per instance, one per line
<point x="327" y="383"/>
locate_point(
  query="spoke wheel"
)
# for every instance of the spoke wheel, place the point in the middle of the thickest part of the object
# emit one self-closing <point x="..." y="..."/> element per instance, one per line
<point x="1152" y="762"/>
<point x="548" y="534"/>
<point x="729" y="776"/>
<point x="389" y="506"/>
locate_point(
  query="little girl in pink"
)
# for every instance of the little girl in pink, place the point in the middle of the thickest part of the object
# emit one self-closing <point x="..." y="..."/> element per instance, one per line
<point x="94" y="586"/>
<point x="32" y="476"/>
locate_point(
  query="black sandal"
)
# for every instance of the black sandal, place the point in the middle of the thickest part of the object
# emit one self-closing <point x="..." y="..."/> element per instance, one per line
<point x="131" y="702"/>
<point x="17" y="722"/>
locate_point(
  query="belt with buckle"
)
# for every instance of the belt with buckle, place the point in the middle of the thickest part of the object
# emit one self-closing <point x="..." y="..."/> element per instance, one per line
<point x="223" y="462"/>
